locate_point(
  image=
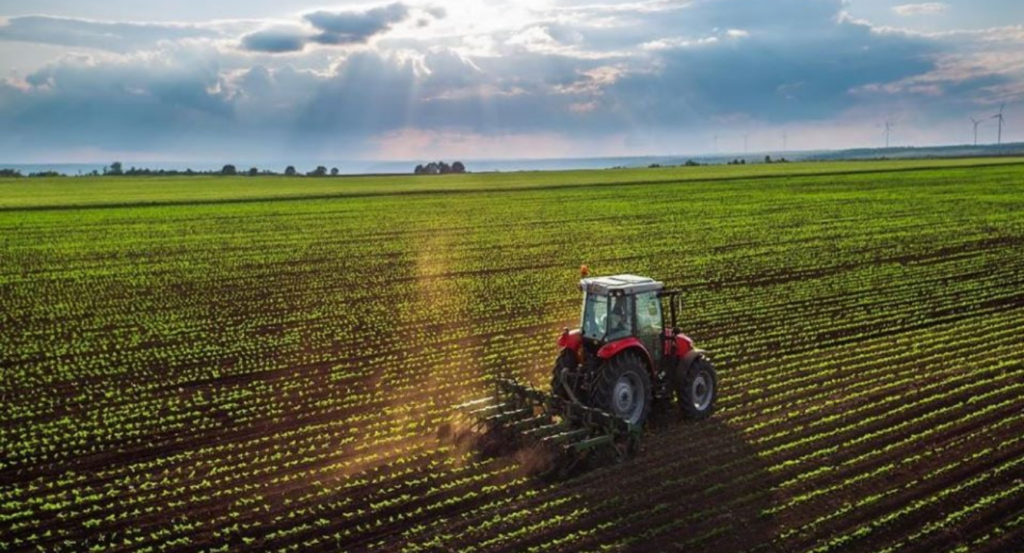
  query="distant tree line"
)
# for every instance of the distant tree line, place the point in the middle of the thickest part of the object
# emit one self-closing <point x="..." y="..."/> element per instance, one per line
<point x="116" y="169"/>
<point x="767" y="159"/>
<point x="439" y="168"/>
<point x="14" y="173"/>
<point x="229" y="170"/>
<point x="689" y="163"/>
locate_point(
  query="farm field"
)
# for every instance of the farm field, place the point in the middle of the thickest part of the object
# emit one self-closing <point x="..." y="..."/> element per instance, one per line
<point x="134" y="191"/>
<point x="200" y="365"/>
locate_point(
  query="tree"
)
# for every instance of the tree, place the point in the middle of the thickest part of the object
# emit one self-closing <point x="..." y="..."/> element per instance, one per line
<point x="458" y="167"/>
<point x="289" y="171"/>
<point x="334" y="171"/>
<point x="320" y="171"/>
<point x="116" y="168"/>
<point x="253" y="171"/>
<point x="767" y="159"/>
<point x="443" y="168"/>
<point x="229" y="170"/>
<point x="419" y="170"/>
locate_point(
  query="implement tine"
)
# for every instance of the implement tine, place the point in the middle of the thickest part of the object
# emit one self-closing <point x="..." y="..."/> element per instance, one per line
<point x="527" y="424"/>
<point x="566" y="436"/>
<point x="591" y="443"/>
<point x="490" y="409"/>
<point x="506" y="416"/>
<point x="475" y="402"/>
<point x="547" y="430"/>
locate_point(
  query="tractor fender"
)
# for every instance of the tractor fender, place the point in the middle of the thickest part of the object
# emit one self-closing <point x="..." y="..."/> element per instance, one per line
<point x="570" y="339"/>
<point x="611" y="350"/>
<point x="686" y="361"/>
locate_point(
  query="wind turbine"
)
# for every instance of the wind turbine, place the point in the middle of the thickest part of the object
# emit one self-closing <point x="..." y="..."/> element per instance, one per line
<point x="976" y="123"/>
<point x="888" y="129"/>
<point x="716" y="143"/>
<point x="999" y="117"/>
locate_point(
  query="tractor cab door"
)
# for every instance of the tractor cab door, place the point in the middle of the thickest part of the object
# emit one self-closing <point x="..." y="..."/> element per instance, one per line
<point x="649" y="324"/>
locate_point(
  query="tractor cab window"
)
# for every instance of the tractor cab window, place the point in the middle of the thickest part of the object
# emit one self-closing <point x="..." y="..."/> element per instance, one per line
<point x="648" y="323"/>
<point x="607" y="318"/>
<point x="595" y="315"/>
<point x="648" y="313"/>
<point x="620" y="318"/>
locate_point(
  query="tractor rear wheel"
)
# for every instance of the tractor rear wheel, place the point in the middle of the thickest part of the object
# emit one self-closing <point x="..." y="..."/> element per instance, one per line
<point x="697" y="389"/>
<point x="623" y="388"/>
<point x="566" y="360"/>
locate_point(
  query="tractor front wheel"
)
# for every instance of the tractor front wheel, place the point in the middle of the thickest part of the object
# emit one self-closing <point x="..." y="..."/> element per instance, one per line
<point x="697" y="389"/>
<point x="624" y="388"/>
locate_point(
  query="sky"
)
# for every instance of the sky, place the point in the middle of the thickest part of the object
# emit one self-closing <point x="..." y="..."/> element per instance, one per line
<point x="186" y="80"/>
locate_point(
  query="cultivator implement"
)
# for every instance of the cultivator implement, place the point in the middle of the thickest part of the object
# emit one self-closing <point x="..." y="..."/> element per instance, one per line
<point x="567" y="431"/>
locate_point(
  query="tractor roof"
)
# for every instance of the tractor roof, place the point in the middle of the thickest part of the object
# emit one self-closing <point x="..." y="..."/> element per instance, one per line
<point x="619" y="284"/>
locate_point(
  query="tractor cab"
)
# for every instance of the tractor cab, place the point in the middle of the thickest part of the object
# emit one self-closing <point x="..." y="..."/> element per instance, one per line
<point x="623" y="306"/>
<point x="629" y="306"/>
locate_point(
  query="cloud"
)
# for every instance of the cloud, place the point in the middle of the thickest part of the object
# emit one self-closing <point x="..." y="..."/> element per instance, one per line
<point x="793" y="61"/>
<point x="330" y="28"/>
<point x="148" y="102"/>
<point x="927" y="8"/>
<point x="682" y="42"/>
<point x="536" y="39"/>
<point x="116" y="37"/>
<point x="437" y="12"/>
<point x="276" y="40"/>
<point x="651" y="74"/>
<point x="344" y="27"/>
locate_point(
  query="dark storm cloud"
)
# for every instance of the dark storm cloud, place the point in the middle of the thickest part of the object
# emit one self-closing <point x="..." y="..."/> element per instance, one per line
<point x="117" y="37"/>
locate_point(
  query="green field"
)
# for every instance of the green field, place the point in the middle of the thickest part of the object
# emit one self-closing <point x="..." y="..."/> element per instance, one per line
<point x="197" y="364"/>
<point x="132" y="191"/>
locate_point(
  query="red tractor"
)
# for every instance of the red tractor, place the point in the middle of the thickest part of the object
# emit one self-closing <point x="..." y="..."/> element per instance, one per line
<point x="624" y="357"/>
<point x="610" y="372"/>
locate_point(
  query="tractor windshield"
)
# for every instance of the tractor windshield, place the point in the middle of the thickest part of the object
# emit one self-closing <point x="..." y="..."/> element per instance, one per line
<point x="602" y="323"/>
